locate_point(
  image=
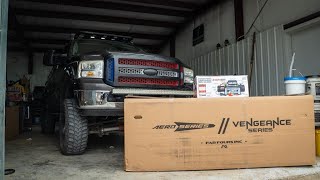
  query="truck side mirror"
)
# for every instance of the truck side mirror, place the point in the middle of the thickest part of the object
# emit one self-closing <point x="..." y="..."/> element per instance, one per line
<point x="51" y="58"/>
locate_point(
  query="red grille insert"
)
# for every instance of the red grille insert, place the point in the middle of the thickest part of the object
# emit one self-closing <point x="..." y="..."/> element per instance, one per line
<point x="148" y="81"/>
<point x="143" y="62"/>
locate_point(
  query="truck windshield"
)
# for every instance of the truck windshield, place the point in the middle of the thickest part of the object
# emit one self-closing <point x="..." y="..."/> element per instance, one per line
<point x="87" y="46"/>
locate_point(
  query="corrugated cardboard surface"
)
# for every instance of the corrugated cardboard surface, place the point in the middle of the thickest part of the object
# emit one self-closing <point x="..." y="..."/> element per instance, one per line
<point x="159" y="138"/>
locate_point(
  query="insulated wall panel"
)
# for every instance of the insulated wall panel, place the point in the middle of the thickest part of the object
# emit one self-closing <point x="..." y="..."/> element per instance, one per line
<point x="269" y="62"/>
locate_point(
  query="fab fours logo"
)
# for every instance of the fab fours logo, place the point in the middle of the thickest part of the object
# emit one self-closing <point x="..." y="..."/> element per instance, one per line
<point x="223" y="126"/>
<point x="252" y="126"/>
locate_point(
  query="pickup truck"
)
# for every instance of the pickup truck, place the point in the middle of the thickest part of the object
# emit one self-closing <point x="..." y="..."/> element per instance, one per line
<point x="89" y="82"/>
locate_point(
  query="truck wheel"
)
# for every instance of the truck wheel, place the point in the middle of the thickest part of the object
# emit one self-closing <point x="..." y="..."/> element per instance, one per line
<point x="221" y="88"/>
<point x="48" y="122"/>
<point x="242" y="88"/>
<point x="73" y="129"/>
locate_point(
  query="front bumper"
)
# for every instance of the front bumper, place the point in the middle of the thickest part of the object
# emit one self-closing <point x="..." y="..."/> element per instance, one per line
<point x="96" y="99"/>
<point x="95" y="103"/>
<point x="151" y="92"/>
<point x="106" y="103"/>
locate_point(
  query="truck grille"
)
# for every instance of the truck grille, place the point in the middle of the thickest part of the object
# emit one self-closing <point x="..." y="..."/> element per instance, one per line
<point x="142" y="73"/>
<point x="110" y="70"/>
<point x="148" y="81"/>
<point x="143" y="62"/>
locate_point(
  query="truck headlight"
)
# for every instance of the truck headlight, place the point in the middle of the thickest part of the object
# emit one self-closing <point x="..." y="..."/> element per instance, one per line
<point x="91" y="69"/>
<point x="188" y="75"/>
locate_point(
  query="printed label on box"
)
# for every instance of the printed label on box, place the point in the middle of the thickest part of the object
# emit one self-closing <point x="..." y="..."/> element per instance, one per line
<point x="221" y="86"/>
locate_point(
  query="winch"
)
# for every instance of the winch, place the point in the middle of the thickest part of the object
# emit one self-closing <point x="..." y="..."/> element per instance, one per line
<point x="313" y="88"/>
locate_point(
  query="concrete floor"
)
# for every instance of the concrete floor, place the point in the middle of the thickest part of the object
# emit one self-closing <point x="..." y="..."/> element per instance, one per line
<point x="40" y="158"/>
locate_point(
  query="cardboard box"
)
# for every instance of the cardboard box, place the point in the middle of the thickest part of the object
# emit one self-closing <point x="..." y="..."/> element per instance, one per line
<point x="12" y="122"/>
<point x="221" y="86"/>
<point x="220" y="133"/>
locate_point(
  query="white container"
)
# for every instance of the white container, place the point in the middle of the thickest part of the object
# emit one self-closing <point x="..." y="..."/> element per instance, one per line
<point x="295" y="85"/>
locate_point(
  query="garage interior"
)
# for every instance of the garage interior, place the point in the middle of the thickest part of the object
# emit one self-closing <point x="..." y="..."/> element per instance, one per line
<point x="212" y="37"/>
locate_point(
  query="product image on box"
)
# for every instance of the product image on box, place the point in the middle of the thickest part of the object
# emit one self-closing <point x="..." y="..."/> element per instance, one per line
<point x="231" y="88"/>
<point x="221" y="86"/>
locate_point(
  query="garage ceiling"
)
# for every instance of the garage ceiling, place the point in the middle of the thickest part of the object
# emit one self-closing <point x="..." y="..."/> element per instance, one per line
<point x="39" y="25"/>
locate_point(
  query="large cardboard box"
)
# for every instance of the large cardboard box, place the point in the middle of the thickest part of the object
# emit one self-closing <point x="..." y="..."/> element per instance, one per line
<point x="221" y="86"/>
<point x="220" y="133"/>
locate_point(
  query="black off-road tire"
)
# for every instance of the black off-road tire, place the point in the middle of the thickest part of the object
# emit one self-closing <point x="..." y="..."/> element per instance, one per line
<point x="73" y="129"/>
<point x="48" y="122"/>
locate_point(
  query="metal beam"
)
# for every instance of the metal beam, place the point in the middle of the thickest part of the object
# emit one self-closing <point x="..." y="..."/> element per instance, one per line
<point x="153" y="49"/>
<point x="302" y="20"/>
<point x="117" y="6"/>
<point x="169" y="3"/>
<point x="39" y="41"/>
<point x="3" y="61"/>
<point x="18" y="49"/>
<point x="89" y="17"/>
<point x="238" y="13"/>
<point x="65" y="41"/>
<point x="53" y="29"/>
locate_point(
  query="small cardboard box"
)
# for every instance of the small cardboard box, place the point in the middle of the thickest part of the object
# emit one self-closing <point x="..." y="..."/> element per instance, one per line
<point x="12" y="123"/>
<point x="220" y="133"/>
<point x="221" y="86"/>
